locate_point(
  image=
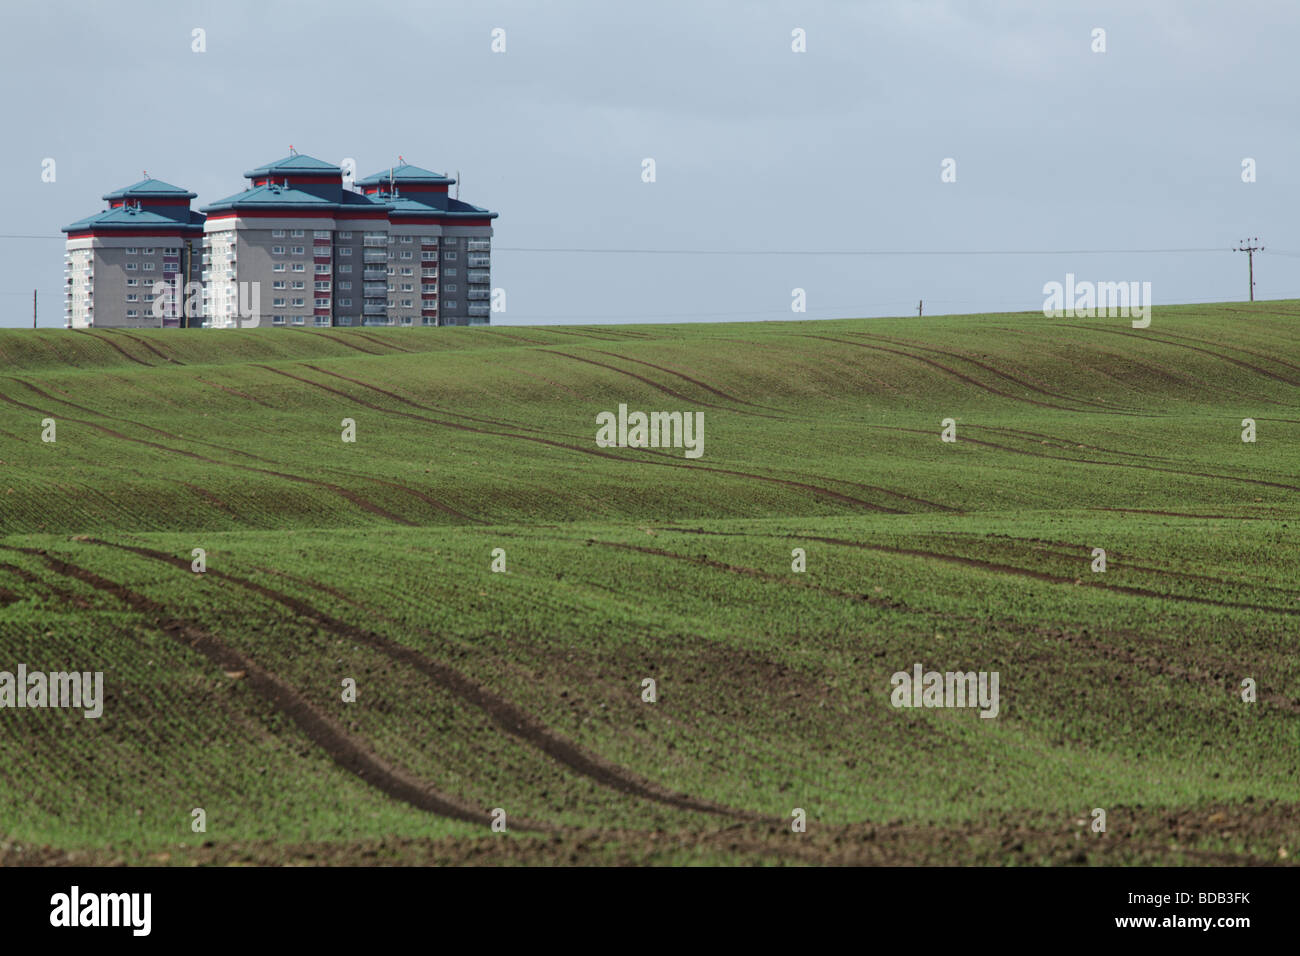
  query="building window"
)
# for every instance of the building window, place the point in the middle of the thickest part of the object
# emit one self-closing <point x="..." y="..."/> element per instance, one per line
<point x="322" y="303"/>
<point x="278" y="303"/>
<point x="278" y="234"/>
<point x="345" y="303"/>
<point x="277" y="250"/>
<point x="449" y="254"/>
<point x="298" y="234"/>
<point x="406" y="240"/>
<point x="299" y="319"/>
<point x="449" y="273"/>
<point x="148" y="251"/>
<point x="131" y="282"/>
<point x="408" y="255"/>
<point x="450" y="305"/>
<point x="299" y="303"/>
<point x="345" y="234"/>
<point x="277" y="284"/>
<point x="277" y="267"/>
<point x="298" y="250"/>
<point x="132" y="250"/>
<point x="132" y="266"/>
<point x="299" y="267"/>
<point x="132" y="297"/>
<point x="320" y="234"/>
<point x="449" y="288"/>
<point x="345" y="286"/>
<point x="406" y="303"/>
<point x="345" y="250"/>
<point x="277" y="319"/>
<point x="299" y="284"/>
<point x="345" y="268"/>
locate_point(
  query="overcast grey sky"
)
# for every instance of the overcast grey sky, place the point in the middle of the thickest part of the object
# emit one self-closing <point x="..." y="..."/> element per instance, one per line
<point x="756" y="147"/>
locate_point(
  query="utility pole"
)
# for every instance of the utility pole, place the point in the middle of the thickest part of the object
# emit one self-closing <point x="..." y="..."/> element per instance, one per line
<point x="919" y="304"/>
<point x="33" y="308"/>
<point x="1248" y="246"/>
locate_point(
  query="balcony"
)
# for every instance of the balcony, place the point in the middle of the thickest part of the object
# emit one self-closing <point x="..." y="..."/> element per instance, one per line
<point x="374" y="275"/>
<point x="478" y="275"/>
<point x="478" y="245"/>
<point x="478" y="293"/>
<point x="374" y="256"/>
<point x="429" y="273"/>
<point x="479" y="262"/>
<point x="375" y="242"/>
<point x="479" y="310"/>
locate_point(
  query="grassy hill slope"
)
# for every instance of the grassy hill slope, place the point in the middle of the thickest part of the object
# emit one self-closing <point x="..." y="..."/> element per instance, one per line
<point x="370" y="561"/>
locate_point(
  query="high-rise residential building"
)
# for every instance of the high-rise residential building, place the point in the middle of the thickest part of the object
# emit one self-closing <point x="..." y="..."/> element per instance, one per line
<point x="116" y="260"/>
<point x="298" y="247"/>
<point x="439" y="249"/>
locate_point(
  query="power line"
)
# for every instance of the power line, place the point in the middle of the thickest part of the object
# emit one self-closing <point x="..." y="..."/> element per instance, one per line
<point x="856" y="252"/>
<point x="807" y="252"/>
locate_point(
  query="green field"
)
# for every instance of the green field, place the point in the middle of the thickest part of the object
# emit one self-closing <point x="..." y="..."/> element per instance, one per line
<point x="371" y="561"/>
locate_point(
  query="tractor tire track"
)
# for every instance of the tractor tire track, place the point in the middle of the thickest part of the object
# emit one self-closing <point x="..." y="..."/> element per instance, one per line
<point x="1234" y="348"/>
<point x="510" y="718"/>
<point x="1082" y="553"/>
<point x="1195" y="348"/>
<point x="694" y="381"/>
<point x="441" y="506"/>
<point x="648" y="451"/>
<point x="375" y="340"/>
<point x="351" y="496"/>
<point x="669" y="463"/>
<point x="1066" y="443"/>
<point x="1102" y="464"/>
<point x="340" y="340"/>
<point x="663" y="388"/>
<point x="115" y="347"/>
<point x="1102" y="407"/>
<point x="1226" y="676"/>
<point x="949" y="371"/>
<point x="144" y="343"/>
<point x="321" y="730"/>
<point x="1048" y="577"/>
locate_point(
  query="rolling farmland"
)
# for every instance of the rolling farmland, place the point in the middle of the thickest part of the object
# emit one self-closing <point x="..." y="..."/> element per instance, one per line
<point x="522" y="690"/>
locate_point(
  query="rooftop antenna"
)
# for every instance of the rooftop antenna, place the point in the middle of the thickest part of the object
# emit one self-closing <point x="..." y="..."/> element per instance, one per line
<point x="401" y="159"/>
<point x="458" y="185"/>
<point x="292" y="151"/>
<point x="145" y="172"/>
